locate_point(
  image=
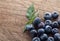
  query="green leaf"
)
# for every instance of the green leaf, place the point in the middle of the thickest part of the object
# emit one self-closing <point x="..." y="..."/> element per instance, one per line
<point x="32" y="19"/>
<point x="31" y="15"/>
<point x="30" y="11"/>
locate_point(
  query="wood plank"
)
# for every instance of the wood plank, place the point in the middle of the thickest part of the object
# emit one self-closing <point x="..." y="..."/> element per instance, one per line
<point x="13" y="20"/>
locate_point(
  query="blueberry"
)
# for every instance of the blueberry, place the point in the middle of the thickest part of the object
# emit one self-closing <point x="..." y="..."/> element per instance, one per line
<point x="58" y="22"/>
<point x="55" y="24"/>
<point x="57" y="37"/>
<point x="55" y="15"/>
<point x="50" y="39"/>
<point x="36" y="39"/>
<point x="55" y="30"/>
<point x="36" y="21"/>
<point x="48" y="22"/>
<point x="29" y="27"/>
<point x="33" y="33"/>
<point x="41" y="31"/>
<point x="47" y="16"/>
<point x="48" y="29"/>
<point x="41" y="25"/>
<point x="44" y="37"/>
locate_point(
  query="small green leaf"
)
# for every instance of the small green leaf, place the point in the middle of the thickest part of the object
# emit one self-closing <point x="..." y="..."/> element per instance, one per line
<point x="31" y="15"/>
<point x="32" y="19"/>
<point x="30" y="11"/>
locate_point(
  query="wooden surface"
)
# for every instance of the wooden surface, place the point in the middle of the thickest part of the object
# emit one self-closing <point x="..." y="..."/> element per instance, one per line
<point x="12" y="17"/>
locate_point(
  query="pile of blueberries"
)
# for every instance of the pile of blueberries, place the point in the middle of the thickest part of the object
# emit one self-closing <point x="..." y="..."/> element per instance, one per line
<point x="47" y="30"/>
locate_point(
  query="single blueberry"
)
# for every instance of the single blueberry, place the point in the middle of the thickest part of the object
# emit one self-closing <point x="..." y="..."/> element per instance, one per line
<point x="41" y="31"/>
<point x="33" y="33"/>
<point x="48" y="22"/>
<point x="36" y="39"/>
<point x="47" y="16"/>
<point x="29" y="27"/>
<point x="55" y="30"/>
<point x="36" y="21"/>
<point x="50" y="39"/>
<point x="55" y="24"/>
<point x="44" y="37"/>
<point x="48" y="29"/>
<point x="55" y="15"/>
<point x="57" y="37"/>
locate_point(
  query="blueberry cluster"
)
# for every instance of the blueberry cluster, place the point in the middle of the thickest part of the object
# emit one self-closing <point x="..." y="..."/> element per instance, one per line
<point x="47" y="30"/>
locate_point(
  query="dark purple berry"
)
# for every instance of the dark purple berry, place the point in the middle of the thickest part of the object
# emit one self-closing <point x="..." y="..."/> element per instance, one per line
<point x="33" y="33"/>
<point x="55" y="15"/>
<point x="36" y="21"/>
<point x="57" y="37"/>
<point x="29" y="27"/>
<point x="41" y="25"/>
<point x="55" y="24"/>
<point x="55" y="30"/>
<point x="48" y="22"/>
<point x="50" y="39"/>
<point x="41" y="31"/>
<point x="47" y="16"/>
<point x="36" y="39"/>
<point x="44" y="37"/>
<point x="48" y="29"/>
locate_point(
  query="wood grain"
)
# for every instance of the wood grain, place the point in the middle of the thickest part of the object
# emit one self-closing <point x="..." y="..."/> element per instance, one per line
<point x="12" y="17"/>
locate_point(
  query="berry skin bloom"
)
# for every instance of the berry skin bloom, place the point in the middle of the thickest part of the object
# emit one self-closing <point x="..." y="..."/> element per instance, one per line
<point x="48" y="29"/>
<point x="55" y="30"/>
<point x="47" y="16"/>
<point x="55" y="15"/>
<point x="48" y="22"/>
<point x="55" y="24"/>
<point x="36" y="39"/>
<point x="29" y="27"/>
<point x="36" y="21"/>
<point x="57" y="37"/>
<point x="41" y="25"/>
<point x="41" y="31"/>
<point x="50" y="39"/>
<point x="44" y="37"/>
<point x="33" y="33"/>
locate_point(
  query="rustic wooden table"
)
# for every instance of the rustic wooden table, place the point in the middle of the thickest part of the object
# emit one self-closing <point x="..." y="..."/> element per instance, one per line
<point x="12" y="17"/>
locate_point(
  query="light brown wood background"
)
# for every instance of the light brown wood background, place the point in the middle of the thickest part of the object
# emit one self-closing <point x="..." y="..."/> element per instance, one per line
<point x="12" y="17"/>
